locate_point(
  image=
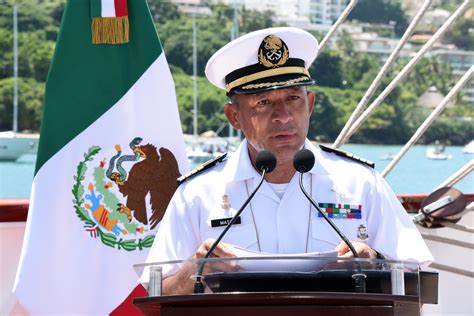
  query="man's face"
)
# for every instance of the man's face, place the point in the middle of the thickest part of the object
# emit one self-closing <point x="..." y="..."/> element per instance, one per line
<point x="275" y="120"/>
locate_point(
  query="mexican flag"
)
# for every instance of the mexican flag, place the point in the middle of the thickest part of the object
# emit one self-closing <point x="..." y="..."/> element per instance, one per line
<point x="110" y="150"/>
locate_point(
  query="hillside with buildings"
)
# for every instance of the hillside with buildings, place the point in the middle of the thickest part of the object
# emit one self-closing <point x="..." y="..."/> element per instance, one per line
<point x="343" y="70"/>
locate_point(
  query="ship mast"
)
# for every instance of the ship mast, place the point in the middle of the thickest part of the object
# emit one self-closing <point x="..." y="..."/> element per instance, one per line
<point x="15" y="70"/>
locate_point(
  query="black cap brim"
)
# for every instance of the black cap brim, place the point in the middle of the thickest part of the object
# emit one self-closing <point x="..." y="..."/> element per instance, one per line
<point x="272" y="83"/>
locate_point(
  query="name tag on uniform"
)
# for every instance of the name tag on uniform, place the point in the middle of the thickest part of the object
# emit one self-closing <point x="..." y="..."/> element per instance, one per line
<point x="224" y="221"/>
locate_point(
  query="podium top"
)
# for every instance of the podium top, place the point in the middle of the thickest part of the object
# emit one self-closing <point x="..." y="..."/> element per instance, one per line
<point x="300" y="273"/>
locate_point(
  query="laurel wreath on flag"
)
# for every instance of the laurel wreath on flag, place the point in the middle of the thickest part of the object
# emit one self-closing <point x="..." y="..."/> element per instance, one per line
<point x="90" y="225"/>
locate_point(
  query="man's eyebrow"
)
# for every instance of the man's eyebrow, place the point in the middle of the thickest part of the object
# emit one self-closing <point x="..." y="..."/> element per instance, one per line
<point x="291" y="89"/>
<point x="297" y="89"/>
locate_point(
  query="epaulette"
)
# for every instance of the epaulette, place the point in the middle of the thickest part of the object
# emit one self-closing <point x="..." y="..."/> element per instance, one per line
<point x="201" y="168"/>
<point x="346" y="154"/>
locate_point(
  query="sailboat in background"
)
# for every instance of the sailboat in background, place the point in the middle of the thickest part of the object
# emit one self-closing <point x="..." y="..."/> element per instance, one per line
<point x="469" y="148"/>
<point x="437" y="152"/>
<point x="13" y="144"/>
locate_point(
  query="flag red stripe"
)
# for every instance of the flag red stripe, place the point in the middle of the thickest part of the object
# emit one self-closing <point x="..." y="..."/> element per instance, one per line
<point x="126" y="308"/>
<point x="121" y="8"/>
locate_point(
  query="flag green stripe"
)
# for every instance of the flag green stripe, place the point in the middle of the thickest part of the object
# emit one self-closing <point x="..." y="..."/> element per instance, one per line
<point x="96" y="8"/>
<point x="83" y="84"/>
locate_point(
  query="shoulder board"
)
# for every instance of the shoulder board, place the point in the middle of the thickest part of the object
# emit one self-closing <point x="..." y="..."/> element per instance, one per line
<point x="346" y="154"/>
<point x="208" y="164"/>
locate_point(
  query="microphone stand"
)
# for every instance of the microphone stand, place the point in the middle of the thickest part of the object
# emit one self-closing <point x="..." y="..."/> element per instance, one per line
<point x="198" y="286"/>
<point x="359" y="277"/>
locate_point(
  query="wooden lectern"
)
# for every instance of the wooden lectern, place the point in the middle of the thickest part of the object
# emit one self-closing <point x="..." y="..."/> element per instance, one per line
<point x="303" y="290"/>
<point x="280" y="304"/>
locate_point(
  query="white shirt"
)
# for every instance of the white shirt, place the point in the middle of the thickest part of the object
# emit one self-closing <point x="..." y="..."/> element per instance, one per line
<point x="288" y="224"/>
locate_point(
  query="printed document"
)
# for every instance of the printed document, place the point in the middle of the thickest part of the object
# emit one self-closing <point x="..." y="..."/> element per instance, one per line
<point x="270" y="262"/>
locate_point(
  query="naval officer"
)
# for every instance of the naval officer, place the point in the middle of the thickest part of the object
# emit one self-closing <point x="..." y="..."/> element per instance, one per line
<point x="265" y="74"/>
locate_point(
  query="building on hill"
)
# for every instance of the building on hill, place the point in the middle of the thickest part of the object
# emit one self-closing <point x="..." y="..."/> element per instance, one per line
<point x="326" y="12"/>
<point x="460" y="61"/>
<point x="196" y="8"/>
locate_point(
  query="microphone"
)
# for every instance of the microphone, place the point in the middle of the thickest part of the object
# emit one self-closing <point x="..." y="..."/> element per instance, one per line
<point x="265" y="162"/>
<point x="303" y="161"/>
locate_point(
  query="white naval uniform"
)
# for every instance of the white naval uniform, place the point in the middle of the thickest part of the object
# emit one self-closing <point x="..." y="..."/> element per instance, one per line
<point x="287" y="225"/>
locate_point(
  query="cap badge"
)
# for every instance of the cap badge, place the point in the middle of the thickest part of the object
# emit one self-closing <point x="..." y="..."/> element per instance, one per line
<point x="273" y="52"/>
<point x="362" y="232"/>
<point x="225" y="202"/>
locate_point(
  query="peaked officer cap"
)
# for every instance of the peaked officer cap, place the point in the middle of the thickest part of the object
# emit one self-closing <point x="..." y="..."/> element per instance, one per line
<point x="263" y="60"/>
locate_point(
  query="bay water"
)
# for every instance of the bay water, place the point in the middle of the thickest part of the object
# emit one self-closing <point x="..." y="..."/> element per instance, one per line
<point x="413" y="174"/>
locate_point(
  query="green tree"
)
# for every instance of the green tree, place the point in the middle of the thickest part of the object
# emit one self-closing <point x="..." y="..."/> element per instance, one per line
<point x="327" y="69"/>
<point x="252" y="20"/>
<point x="380" y="11"/>
<point x="163" y="11"/>
<point x="345" y="46"/>
<point x="55" y="9"/>
<point x="359" y="71"/>
<point x="35" y="54"/>
<point x="429" y="72"/>
<point x="213" y="32"/>
<point x="461" y="34"/>
<point x="32" y="15"/>
<point x="450" y="131"/>
<point x="323" y="122"/>
<point x="6" y="51"/>
<point x="210" y="103"/>
<point x="449" y="5"/>
<point x="30" y="99"/>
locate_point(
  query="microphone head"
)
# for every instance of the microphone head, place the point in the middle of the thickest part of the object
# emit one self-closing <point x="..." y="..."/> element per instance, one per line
<point x="303" y="160"/>
<point x="265" y="160"/>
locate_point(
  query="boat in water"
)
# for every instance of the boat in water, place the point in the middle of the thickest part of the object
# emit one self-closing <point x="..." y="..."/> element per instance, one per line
<point x="14" y="145"/>
<point x="200" y="149"/>
<point x="469" y="148"/>
<point x="388" y="156"/>
<point x="437" y="152"/>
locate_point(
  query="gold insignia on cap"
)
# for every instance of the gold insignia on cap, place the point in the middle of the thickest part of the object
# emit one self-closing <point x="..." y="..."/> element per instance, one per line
<point x="225" y="202"/>
<point x="273" y="52"/>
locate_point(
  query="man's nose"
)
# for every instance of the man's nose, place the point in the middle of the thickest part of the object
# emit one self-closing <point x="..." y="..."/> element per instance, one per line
<point x="281" y="113"/>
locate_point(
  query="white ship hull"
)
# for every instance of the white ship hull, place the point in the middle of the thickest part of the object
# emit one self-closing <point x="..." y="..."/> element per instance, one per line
<point x="13" y="146"/>
<point x="454" y="260"/>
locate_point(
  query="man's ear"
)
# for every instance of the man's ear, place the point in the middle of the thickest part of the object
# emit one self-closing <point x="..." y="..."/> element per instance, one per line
<point x="311" y="99"/>
<point x="231" y="114"/>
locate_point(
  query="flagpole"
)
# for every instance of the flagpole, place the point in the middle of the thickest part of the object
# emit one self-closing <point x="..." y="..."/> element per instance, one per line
<point x="234" y="33"/>
<point x="15" y="70"/>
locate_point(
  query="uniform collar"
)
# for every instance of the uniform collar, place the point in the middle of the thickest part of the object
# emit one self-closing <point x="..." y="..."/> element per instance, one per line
<point x="239" y="167"/>
<point x="319" y="167"/>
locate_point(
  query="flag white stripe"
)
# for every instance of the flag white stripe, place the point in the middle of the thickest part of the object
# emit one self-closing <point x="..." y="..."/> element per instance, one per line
<point x="108" y="8"/>
<point x="103" y="274"/>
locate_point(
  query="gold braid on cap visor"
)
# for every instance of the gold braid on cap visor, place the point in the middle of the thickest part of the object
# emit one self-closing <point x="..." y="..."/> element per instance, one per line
<point x="264" y="74"/>
<point x="273" y="83"/>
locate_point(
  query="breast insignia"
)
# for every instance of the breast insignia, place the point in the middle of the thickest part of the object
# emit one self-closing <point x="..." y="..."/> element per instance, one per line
<point x="208" y="164"/>
<point x="346" y="154"/>
<point x="225" y="202"/>
<point x="362" y="232"/>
